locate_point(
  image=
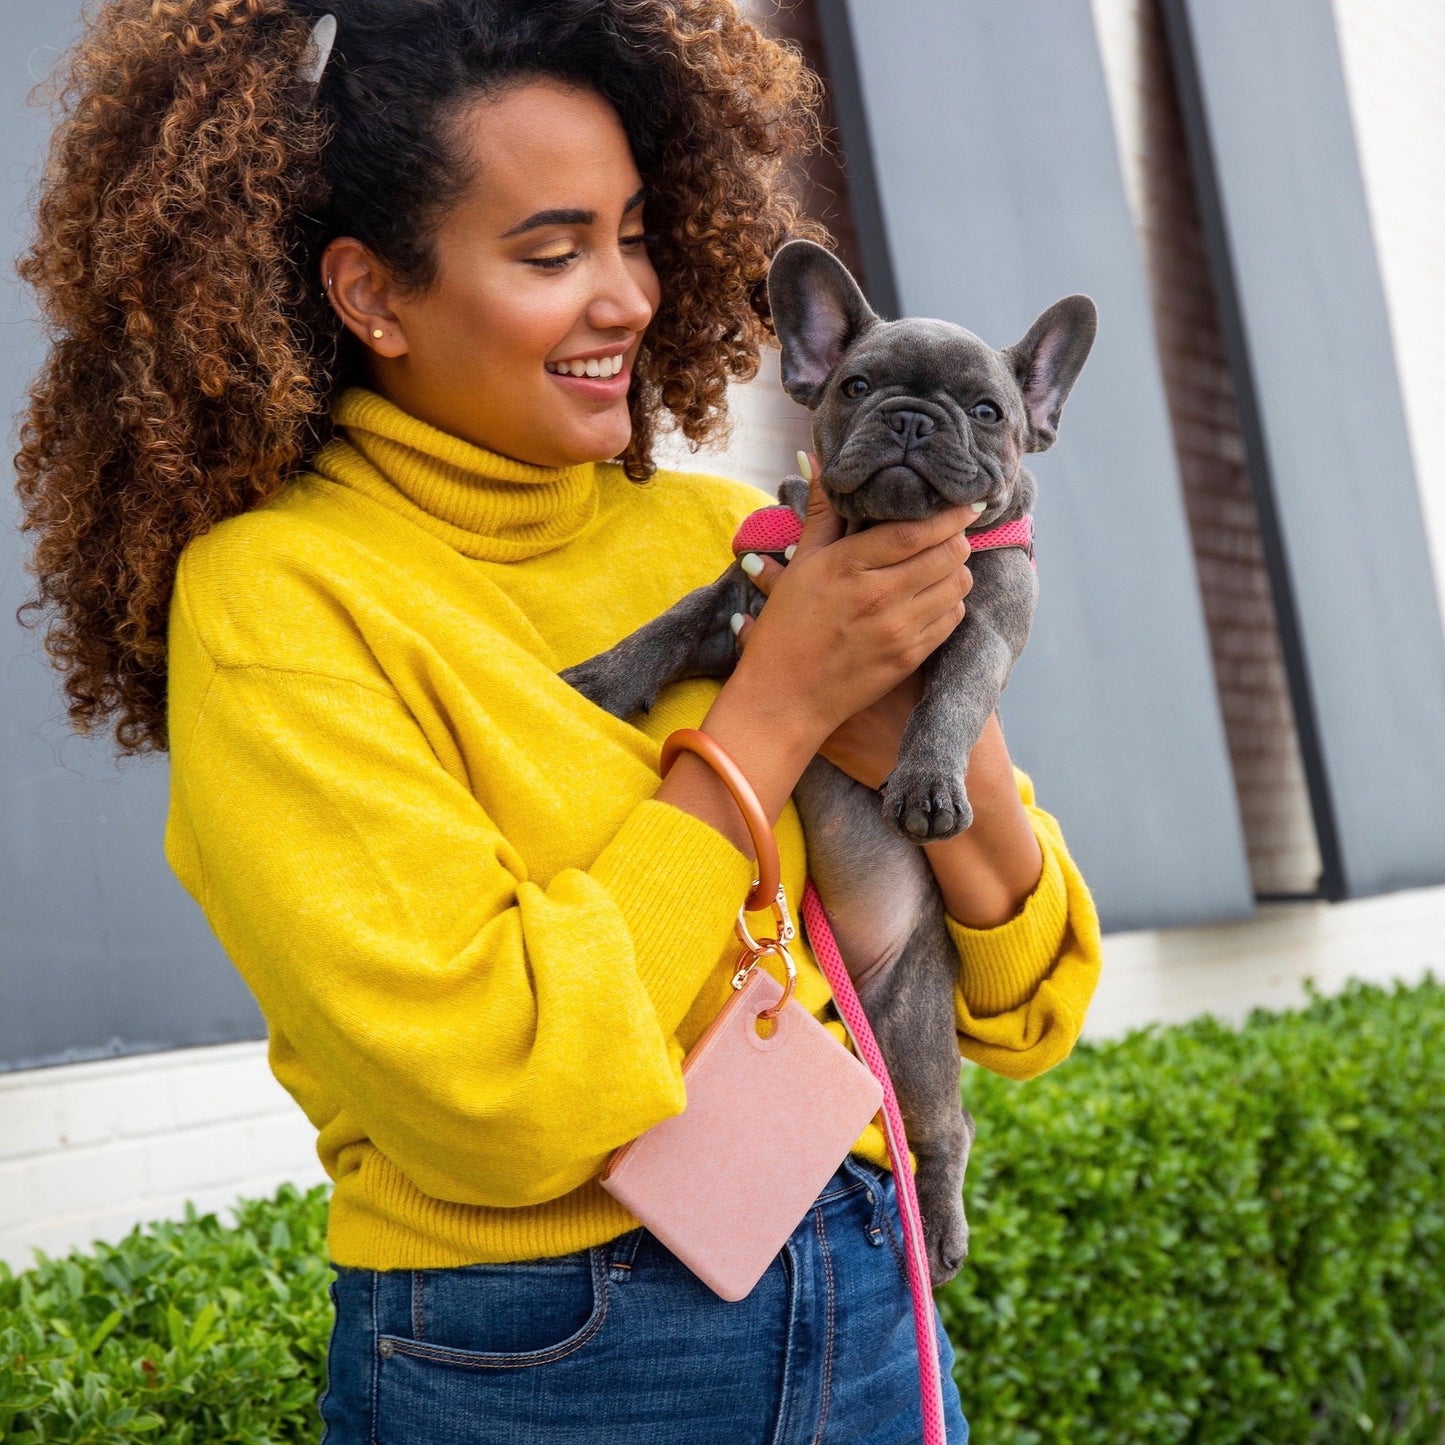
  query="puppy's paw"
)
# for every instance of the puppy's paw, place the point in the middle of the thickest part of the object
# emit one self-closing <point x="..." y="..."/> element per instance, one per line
<point x="793" y="492"/>
<point x="946" y="1241"/>
<point x="925" y="805"/>
<point x="613" y="687"/>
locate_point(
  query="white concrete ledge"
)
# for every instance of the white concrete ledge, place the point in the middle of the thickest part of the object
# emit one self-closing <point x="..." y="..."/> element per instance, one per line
<point x="87" y="1151"/>
<point x="1170" y="975"/>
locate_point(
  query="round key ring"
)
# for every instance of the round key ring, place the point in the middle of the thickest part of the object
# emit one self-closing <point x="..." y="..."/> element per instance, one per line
<point x="767" y="890"/>
<point x="692" y="740"/>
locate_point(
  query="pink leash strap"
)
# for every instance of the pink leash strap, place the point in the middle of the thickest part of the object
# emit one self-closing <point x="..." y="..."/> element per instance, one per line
<point x="845" y="996"/>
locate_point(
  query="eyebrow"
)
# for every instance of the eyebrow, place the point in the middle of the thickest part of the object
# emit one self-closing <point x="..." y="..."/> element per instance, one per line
<point x="568" y="217"/>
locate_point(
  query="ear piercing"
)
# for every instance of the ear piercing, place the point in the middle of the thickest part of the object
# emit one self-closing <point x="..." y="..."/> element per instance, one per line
<point x="378" y="333"/>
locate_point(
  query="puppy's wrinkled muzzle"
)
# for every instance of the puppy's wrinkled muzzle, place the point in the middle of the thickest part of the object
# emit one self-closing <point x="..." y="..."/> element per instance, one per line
<point x="893" y="493"/>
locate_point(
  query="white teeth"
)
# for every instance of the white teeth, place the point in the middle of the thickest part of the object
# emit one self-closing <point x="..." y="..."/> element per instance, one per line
<point x="599" y="366"/>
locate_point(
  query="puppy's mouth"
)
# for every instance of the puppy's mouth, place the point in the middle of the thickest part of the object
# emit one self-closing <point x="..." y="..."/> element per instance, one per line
<point x="894" y="493"/>
<point x="899" y="474"/>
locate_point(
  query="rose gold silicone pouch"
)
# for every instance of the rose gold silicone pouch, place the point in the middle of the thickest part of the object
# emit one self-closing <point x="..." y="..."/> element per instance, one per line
<point x="768" y="1120"/>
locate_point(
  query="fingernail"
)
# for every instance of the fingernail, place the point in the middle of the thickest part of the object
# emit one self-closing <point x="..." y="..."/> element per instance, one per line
<point x="978" y="507"/>
<point x="751" y="563"/>
<point x="788" y="551"/>
<point x="737" y="623"/>
<point x="805" y="466"/>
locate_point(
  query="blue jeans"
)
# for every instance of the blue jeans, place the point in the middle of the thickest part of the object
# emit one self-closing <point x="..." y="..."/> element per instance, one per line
<point x="622" y="1345"/>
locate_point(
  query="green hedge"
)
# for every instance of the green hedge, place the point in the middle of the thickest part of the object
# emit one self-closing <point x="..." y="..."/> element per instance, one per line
<point x="1194" y="1234"/>
<point x="184" y="1333"/>
<point x="1213" y="1235"/>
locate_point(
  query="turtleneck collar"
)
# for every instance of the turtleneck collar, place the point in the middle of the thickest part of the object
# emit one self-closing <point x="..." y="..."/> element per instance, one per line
<point x="485" y="505"/>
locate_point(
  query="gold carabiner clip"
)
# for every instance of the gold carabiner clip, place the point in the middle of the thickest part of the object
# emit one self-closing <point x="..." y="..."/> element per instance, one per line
<point x="756" y="948"/>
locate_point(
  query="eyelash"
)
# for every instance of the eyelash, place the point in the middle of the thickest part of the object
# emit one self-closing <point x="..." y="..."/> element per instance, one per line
<point x="555" y="263"/>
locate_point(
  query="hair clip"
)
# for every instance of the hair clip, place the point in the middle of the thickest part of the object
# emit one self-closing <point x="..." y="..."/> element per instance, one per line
<point x="309" y="72"/>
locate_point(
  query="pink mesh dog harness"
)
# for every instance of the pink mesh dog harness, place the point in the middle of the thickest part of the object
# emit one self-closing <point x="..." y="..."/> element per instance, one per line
<point x="775" y="529"/>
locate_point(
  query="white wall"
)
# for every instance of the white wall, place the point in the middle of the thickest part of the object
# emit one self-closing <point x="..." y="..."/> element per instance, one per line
<point x="88" y="1150"/>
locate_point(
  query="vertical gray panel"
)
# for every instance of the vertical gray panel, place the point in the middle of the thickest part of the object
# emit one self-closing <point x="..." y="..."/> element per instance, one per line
<point x="101" y="951"/>
<point x="984" y="134"/>
<point x="1264" y="102"/>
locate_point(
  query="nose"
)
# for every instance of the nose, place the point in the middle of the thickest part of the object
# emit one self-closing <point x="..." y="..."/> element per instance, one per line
<point x="910" y="427"/>
<point x="621" y="298"/>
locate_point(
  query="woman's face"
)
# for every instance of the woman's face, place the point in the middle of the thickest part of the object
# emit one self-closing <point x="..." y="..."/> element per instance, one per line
<point x="540" y="262"/>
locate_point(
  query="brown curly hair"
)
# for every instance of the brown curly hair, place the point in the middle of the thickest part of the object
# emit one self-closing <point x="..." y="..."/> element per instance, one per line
<point x="191" y="185"/>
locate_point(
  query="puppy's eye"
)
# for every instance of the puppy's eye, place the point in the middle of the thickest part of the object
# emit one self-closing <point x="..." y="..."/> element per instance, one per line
<point x="986" y="412"/>
<point x="855" y="387"/>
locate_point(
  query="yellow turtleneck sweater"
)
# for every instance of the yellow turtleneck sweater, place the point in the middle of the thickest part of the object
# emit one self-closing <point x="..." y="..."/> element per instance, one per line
<point x="481" y="945"/>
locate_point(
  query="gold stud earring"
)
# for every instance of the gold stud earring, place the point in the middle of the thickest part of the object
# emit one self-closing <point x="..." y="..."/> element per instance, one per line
<point x="378" y="334"/>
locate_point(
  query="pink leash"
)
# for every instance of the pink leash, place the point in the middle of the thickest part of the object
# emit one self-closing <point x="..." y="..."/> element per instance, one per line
<point x="845" y="996"/>
<point x="773" y="530"/>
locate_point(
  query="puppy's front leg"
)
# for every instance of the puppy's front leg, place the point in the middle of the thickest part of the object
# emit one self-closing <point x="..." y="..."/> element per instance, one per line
<point x="924" y="797"/>
<point x="692" y="638"/>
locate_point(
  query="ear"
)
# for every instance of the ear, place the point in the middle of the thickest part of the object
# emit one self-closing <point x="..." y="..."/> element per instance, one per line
<point x="362" y="293"/>
<point x="1048" y="361"/>
<point x="818" y="312"/>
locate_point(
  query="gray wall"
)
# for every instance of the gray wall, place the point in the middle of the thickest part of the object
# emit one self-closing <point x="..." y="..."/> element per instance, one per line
<point x="101" y="951"/>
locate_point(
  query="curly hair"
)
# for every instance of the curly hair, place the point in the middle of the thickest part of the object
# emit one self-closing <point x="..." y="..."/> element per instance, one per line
<point x="191" y="186"/>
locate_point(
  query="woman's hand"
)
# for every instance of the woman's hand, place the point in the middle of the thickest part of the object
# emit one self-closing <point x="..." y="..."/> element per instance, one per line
<point x="850" y="618"/>
<point x="847" y="622"/>
<point x="864" y="744"/>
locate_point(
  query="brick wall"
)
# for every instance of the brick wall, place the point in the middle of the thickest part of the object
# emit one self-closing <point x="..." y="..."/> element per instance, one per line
<point x="1224" y="528"/>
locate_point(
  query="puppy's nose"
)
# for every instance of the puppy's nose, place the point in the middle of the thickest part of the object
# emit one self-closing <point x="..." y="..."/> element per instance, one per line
<point x="910" y="426"/>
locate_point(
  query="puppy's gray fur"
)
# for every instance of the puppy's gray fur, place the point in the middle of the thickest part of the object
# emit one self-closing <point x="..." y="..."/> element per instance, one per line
<point x="908" y="417"/>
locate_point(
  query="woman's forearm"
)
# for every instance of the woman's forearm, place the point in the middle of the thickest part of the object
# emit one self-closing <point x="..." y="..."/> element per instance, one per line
<point x="987" y="872"/>
<point x="767" y="734"/>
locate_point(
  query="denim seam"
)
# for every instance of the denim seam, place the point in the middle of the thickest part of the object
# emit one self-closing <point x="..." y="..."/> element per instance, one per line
<point x="477" y="1360"/>
<point x="330" y="1360"/>
<point x="828" y="1290"/>
<point x="893" y="1241"/>
<point x="839" y="1193"/>
<point x="418" y="1304"/>
<point x="624" y="1247"/>
<point x="375" y="1354"/>
<point x="786" y="1387"/>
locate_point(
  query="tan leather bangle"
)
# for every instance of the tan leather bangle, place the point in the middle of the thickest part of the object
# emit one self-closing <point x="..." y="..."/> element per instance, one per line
<point x="764" y="843"/>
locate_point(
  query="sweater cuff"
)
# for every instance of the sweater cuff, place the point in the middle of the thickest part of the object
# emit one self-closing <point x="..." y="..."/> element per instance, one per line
<point x="678" y="884"/>
<point x="1001" y="967"/>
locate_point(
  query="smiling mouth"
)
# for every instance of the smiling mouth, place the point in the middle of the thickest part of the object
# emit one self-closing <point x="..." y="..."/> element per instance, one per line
<point x="603" y="367"/>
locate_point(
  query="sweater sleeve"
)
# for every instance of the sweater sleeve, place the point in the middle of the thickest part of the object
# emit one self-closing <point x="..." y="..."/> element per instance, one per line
<point x="1025" y="984"/>
<point x="494" y="1038"/>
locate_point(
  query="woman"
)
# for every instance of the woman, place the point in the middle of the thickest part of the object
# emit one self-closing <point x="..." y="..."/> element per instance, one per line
<point x="324" y="505"/>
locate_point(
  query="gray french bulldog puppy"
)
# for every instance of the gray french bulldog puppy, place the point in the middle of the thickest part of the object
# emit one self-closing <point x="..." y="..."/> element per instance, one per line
<point x="908" y="417"/>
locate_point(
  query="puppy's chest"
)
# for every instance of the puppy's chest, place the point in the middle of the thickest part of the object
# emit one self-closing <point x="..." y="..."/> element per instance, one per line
<point x="1004" y="593"/>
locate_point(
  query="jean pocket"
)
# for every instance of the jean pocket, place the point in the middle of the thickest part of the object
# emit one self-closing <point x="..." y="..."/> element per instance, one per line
<point x="504" y="1316"/>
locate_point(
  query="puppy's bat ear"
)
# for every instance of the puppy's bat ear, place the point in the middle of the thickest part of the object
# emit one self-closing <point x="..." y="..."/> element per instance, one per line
<point x="818" y="312"/>
<point x="1047" y="362"/>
